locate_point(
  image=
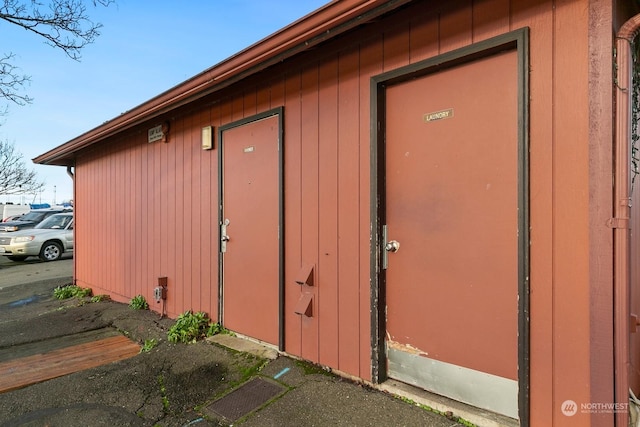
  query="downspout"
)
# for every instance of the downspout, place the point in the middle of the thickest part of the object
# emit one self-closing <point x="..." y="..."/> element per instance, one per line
<point x="621" y="211"/>
<point x="73" y="183"/>
<point x="73" y="180"/>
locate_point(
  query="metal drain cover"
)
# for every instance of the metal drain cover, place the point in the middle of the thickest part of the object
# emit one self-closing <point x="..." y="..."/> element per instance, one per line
<point x="246" y="398"/>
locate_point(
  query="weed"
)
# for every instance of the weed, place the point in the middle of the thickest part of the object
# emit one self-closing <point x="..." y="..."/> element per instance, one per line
<point x="139" y="303"/>
<point x="69" y="291"/>
<point x="189" y="327"/>
<point x="214" y="329"/>
<point x="63" y="292"/>
<point x="448" y="414"/>
<point x="163" y="394"/>
<point x="313" y="369"/>
<point x="248" y="366"/>
<point x="83" y="292"/>
<point x="253" y="368"/>
<point x="100" y="298"/>
<point x="149" y="345"/>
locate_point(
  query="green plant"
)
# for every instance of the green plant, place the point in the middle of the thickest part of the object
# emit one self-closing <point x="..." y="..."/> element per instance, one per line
<point x="139" y="303"/>
<point x="100" y="298"/>
<point x="313" y="369"/>
<point x="69" y="291"/>
<point x="189" y="327"/>
<point x="63" y="292"/>
<point x="149" y="345"/>
<point x="448" y="414"/>
<point x="163" y="393"/>
<point x="83" y="292"/>
<point x="255" y="365"/>
<point x="214" y="329"/>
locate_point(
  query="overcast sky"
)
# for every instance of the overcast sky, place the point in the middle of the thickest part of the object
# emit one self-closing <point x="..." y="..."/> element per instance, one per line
<point x="145" y="48"/>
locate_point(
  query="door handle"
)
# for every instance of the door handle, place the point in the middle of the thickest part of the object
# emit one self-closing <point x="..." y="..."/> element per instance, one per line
<point x="392" y="246"/>
<point x="224" y="238"/>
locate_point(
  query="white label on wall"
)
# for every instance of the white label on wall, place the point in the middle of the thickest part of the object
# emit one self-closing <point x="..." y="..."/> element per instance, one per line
<point x="155" y="134"/>
<point x="438" y="115"/>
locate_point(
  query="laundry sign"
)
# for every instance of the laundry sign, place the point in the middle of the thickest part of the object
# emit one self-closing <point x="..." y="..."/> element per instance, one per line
<point x="438" y="115"/>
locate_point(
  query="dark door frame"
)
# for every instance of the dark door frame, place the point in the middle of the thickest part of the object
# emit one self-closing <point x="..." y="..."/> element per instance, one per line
<point x="279" y="111"/>
<point x="516" y="40"/>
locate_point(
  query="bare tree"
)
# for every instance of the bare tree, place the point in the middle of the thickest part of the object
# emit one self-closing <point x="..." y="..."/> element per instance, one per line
<point x="15" y="178"/>
<point x="63" y="24"/>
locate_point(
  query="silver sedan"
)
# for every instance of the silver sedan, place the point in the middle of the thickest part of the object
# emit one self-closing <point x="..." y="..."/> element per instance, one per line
<point x="48" y="240"/>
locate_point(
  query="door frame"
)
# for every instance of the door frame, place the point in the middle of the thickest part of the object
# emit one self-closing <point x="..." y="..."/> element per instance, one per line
<point x="515" y="40"/>
<point x="279" y="111"/>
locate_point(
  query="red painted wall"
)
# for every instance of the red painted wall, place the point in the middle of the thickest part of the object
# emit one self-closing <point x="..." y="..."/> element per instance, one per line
<point x="149" y="210"/>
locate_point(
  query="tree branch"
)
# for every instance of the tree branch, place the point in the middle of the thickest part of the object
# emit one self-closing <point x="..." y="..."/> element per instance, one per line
<point x="63" y="24"/>
<point x="15" y="178"/>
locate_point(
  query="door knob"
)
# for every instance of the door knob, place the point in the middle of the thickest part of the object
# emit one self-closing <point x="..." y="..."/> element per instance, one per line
<point x="392" y="246"/>
<point x="223" y="235"/>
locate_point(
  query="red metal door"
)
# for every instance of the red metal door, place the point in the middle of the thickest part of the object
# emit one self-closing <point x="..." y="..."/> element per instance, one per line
<point x="452" y="232"/>
<point x="250" y="229"/>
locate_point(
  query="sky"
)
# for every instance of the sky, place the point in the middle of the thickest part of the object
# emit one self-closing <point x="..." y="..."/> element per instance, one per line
<point x="145" y="47"/>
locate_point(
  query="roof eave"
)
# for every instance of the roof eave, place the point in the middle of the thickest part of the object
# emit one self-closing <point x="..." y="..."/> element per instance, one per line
<point x="323" y="24"/>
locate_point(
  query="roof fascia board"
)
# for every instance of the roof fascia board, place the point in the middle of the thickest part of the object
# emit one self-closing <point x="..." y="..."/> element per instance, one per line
<point x="323" y="24"/>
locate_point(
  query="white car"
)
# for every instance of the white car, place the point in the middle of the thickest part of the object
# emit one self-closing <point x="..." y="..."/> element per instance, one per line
<point x="48" y="240"/>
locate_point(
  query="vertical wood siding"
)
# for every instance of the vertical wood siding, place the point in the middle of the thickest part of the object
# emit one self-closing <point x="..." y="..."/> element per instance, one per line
<point x="150" y="210"/>
<point x="539" y="18"/>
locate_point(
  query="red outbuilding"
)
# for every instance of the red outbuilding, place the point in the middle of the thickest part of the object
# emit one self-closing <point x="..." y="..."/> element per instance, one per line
<point x="437" y="194"/>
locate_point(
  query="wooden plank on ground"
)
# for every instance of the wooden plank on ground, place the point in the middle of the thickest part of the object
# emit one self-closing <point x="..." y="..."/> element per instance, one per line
<point x="29" y="370"/>
<point x="20" y="350"/>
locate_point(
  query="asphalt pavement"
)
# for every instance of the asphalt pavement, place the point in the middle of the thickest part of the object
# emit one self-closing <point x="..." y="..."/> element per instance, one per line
<point x="33" y="270"/>
<point x="221" y="381"/>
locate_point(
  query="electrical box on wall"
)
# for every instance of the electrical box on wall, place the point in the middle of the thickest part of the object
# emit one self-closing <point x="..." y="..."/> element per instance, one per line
<point x="160" y="292"/>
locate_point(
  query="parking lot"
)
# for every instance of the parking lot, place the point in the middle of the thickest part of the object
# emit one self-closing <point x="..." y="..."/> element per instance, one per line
<point x="33" y="269"/>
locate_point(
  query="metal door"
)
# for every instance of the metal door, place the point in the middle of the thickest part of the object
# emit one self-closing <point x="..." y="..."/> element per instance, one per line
<point x="250" y="228"/>
<point x="451" y="243"/>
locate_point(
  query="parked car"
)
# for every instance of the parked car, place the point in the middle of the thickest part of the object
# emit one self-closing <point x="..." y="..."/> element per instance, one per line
<point x="9" y="210"/>
<point x="47" y="240"/>
<point x="30" y="219"/>
<point x="13" y="218"/>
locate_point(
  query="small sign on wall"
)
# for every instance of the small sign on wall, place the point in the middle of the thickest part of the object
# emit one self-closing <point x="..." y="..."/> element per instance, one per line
<point x="158" y="133"/>
<point x="438" y="115"/>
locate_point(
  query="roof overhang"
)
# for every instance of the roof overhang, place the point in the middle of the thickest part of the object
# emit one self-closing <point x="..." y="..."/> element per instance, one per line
<point x="324" y="24"/>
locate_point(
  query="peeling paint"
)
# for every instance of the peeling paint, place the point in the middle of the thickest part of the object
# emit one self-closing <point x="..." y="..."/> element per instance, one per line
<point x="408" y="348"/>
